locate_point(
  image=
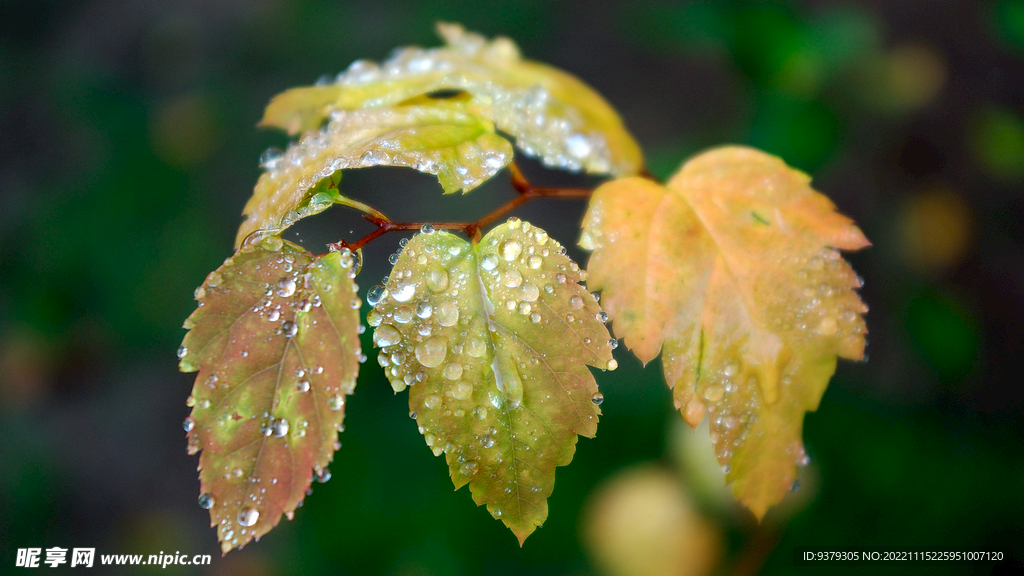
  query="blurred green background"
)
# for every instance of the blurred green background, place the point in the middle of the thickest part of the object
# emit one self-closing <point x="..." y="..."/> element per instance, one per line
<point x="128" y="148"/>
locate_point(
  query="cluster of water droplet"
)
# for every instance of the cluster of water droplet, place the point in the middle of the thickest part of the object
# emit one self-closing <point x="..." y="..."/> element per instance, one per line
<point x="822" y="285"/>
<point x="294" y="285"/>
<point x="462" y="325"/>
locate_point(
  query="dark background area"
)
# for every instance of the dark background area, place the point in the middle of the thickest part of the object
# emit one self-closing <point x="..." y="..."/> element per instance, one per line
<point x="128" y="148"/>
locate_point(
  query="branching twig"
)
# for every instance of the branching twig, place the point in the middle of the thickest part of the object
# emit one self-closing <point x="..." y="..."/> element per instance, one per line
<point x="525" y="192"/>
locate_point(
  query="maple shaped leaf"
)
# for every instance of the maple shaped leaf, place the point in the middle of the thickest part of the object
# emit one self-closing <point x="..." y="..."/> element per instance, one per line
<point x="493" y="341"/>
<point x="732" y="271"/>
<point x="276" y="342"/>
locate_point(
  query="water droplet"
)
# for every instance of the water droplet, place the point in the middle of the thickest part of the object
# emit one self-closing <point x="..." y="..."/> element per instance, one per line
<point x="286" y="287"/>
<point x="336" y="402"/>
<point x="597" y="398"/>
<point x="453" y="371"/>
<point x="535" y="317"/>
<point x="602" y="317"/>
<point x="432" y="401"/>
<point x="486" y="441"/>
<point x="489" y="262"/>
<point x="403" y="314"/>
<point x="214" y="279"/>
<point x="289" y="328"/>
<point x="448" y="313"/>
<point x="714" y="393"/>
<point x="726" y="469"/>
<point x="248" y="516"/>
<point x="529" y="292"/>
<point x="424" y="310"/>
<point x="613" y="343"/>
<point x="469" y="468"/>
<point x="188" y="424"/>
<point x="373" y="318"/>
<point x="535" y="262"/>
<point x="462" y="391"/>
<point x="386" y="335"/>
<point x="270" y="158"/>
<point x="560" y="278"/>
<point x="426" y="229"/>
<point x="431" y="352"/>
<point x="274" y="316"/>
<point x="374" y="295"/>
<point x="438" y="280"/>
<point x="322" y="475"/>
<point x="612" y="364"/>
<point x="512" y="278"/>
<point x="206" y="501"/>
<point x="279" y="427"/>
<point x="575" y="303"/>
<point x="476" y="348"/>
<point x="302" y="385"/>
<point x="182" y="351"/>
<point x="510" y="250"/>
<point x="404" y="291"/>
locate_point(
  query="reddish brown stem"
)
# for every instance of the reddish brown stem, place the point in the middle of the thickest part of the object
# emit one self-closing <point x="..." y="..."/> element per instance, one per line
<point x="525" y="192"/>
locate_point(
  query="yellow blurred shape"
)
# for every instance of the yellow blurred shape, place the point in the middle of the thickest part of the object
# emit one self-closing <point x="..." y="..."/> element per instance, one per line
<point x="905" y="79"/>
<point x="641" y="522"/>
<point x="936" y="229"/>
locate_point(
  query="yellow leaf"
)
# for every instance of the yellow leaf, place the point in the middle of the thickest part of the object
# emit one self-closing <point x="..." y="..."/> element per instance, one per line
<point x="445" y="139"/>
<point x="552" y="114"/>
<point x="732" y="271"/>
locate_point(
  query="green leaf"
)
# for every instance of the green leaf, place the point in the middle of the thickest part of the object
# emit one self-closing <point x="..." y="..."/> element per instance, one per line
<point x="276" y="342"/>
<point x="551" y="114"/>
<point x="493" y="340"/>
<point x="732" y="271"/>
<point x="445" y="139"/>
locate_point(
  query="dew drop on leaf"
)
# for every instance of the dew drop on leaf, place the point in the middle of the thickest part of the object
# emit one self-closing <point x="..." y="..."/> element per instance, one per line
<point x="512" y="278"/>
<point x="510" y="250"/>
<point x="206" y="501"/>
<point x="336" y="402"/>
<point x="448" y="314"/>
<point x="248" y="516"/>
<point x="462" y="391"/>
<point x="424" y="310"/>
<point x="374" y="295"/>
<point x="438" y="280"/>
<point x="188" y="424"/>
<point x="714" y="393"/>
<point x="286" y="287"/>
<point x="597" y="398"/>
<point x="431" y="352"/>
<point x="404" y="292"/>
<point x="289" y="328"/>
<point x="529" y="292"/>
<point x="322" y="475"/>
<point x="182" y="351"/>
<point x="280" y="427"/>
<point x="453" y="371"/>
<point x="386" y="335"/>
<point x="575" y="302"/>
